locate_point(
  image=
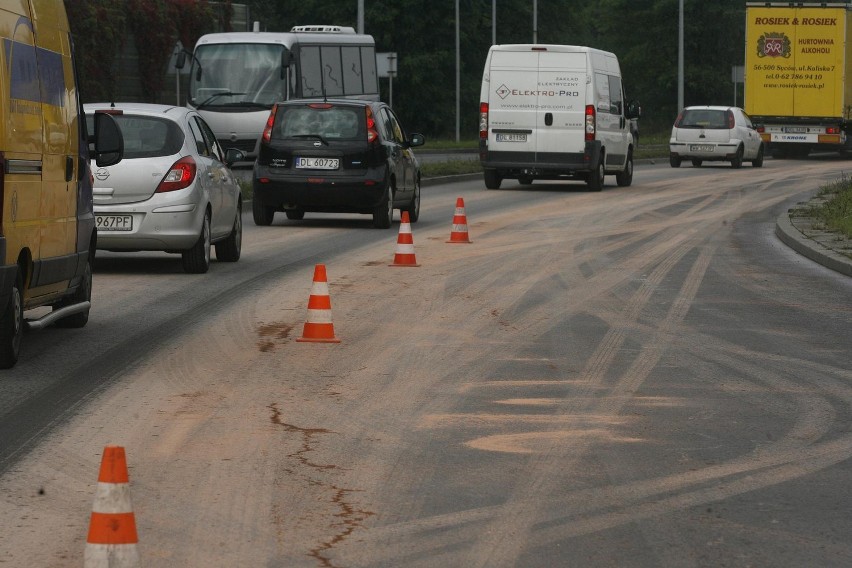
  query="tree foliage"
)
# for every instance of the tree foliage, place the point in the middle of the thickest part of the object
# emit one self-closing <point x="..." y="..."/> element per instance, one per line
<point x="643" y="33"/>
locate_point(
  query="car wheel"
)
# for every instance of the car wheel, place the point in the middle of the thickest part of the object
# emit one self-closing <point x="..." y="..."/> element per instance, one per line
<point x="758" y="162"/>
<point x="696" y="163"/>
<point x="414" y="207"/>
<point x="295" y="214"/>
<point x="262" y="214"/>
<point x="229" y="250"/>
<point x="595" y="181"/>
<point x="625" y="177"/>
<point x="83" y="294"/>
<point x="525" y="180"/>
<point x="197" y="259"/>
<point x="12" y="325"/>
<point x="492" y="178"/>
<point x="737" y="161"/>
<point x="674" y="161"/>
<point x="383" y="213"/>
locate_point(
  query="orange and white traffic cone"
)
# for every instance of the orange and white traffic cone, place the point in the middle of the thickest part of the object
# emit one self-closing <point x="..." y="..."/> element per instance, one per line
<point x="459" y="232"/>
<point x="318" y="327"/>
<point x="404" y="255"/>
<point x="112" y="529"/>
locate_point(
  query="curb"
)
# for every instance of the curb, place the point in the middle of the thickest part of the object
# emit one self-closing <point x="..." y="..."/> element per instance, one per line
<point x="793" y="238"/>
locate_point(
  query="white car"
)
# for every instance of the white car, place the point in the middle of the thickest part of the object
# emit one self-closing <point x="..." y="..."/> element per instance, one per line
<point x="173" y="191"/>
<point x="715" y="133"/>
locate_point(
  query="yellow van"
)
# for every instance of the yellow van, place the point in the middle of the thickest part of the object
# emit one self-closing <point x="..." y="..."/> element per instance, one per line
<point x="47" y="235"/>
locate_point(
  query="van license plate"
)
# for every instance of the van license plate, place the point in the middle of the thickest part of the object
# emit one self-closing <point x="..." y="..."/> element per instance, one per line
<point x="700" y="148"/>
<point x="318" y="163"/>
<point x="114" y="222"/>
<point x="511" y="138"/>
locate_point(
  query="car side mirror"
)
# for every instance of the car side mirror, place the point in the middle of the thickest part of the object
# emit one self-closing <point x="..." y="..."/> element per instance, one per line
<point x="108" y="140"/>
<point x="233" y="155"/>
<point x="416" y="139"/>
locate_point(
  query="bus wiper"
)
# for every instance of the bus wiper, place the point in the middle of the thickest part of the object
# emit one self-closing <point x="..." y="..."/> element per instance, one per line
<point x="247" y="104"/>
<point x="216" y="96"/>
<point x="317" y="136"/>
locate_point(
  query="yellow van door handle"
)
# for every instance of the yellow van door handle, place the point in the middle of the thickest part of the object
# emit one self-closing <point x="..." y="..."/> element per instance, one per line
<point x="69" y="168"/>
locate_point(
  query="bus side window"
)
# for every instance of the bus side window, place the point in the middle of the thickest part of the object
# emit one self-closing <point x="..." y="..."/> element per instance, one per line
<point x="352" y="75"/>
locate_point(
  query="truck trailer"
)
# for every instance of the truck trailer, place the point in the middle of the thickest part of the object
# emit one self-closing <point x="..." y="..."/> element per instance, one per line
<point x="797" y="59"/>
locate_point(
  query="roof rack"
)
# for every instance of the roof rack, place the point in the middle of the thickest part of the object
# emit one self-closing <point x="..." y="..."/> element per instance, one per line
<point x="324" y="29"/>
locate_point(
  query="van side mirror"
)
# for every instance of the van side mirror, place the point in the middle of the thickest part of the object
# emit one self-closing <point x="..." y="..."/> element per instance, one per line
<point x="634" y="110"/>
<point x="108" y="141"/>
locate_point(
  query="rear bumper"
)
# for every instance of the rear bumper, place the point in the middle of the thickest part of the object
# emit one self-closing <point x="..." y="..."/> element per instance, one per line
<point x="319" y="192"/>
<point x="542" y="164"/>
<point x="714" y="151"/>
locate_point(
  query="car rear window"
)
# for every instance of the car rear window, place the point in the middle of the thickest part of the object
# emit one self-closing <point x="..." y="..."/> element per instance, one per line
<point x="704" y="118"/>
<point x="147" y="136"/>
<point x="329" y="121"/>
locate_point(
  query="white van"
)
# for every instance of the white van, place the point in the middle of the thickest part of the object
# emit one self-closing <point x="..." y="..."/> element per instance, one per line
<point x="554" y="112"/>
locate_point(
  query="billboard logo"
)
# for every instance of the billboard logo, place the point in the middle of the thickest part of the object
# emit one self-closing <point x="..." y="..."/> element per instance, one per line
<point x="503" y="91"/>
<point x="774" y="45"/>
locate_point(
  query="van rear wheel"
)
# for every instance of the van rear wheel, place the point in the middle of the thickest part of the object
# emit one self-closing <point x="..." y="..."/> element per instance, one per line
<point x="492" y="178"/>
<point x="625" y="177"/>
<point x="595" y="180"/>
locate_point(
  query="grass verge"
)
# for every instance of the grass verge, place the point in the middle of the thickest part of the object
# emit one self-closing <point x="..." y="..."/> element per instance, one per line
<point x="834" y="207"/>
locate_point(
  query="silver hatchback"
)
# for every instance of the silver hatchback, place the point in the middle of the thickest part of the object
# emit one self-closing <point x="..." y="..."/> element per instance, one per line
<point x="173" y="191"/>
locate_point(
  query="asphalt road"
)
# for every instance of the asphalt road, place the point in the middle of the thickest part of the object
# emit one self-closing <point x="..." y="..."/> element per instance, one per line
<point x="644" y="376"/>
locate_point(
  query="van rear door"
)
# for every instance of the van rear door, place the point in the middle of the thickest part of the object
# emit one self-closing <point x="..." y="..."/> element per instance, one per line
<point x="537" y="103"/>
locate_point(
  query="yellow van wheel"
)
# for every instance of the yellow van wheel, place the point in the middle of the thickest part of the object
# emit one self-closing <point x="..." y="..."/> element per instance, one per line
<point x="12" y="326"/>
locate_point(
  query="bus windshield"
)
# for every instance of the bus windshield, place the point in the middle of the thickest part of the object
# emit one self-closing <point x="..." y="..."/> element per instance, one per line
<point x="237" y="75"/>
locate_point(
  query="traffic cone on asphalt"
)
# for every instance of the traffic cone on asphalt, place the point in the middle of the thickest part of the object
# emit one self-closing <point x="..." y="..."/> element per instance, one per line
<point x="404" y="255"/>
<point x="459" y="232"/>
<point x="112" y="529"/>
<point x="318" y="327"/>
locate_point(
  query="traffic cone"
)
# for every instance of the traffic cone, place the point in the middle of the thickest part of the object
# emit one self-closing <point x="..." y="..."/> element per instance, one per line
<point x="404" y="255"/>
<point x="112" y="529"/>
<point x="459" y="232"/>
<point x="318" y="327"/>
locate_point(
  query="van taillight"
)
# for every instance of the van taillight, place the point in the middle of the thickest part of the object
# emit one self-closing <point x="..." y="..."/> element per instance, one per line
<point x="181" y="175"/>
<point x="590" y="122"/>
<point x="267" y="130"/>
<point x="372" y="133"/>
<point x="483" y="121"/>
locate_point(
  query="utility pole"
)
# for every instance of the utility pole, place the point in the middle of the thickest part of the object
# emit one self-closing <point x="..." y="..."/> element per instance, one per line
<point x="680" y="57"/>
<point x="458" y="76"/>
<point x="535" y="21"/>
<point x="360" y="16"/>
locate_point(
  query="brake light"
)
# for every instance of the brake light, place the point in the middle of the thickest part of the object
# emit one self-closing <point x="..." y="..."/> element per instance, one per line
<point x="323" y="106"/>
<point x="731" y="121"/>
<point x="267" y="130"/>
<point x="483" y="121"/>
<point x="590" y="122"/>
<point x="832" y="130"/>
<point x="181" y="175"/>
<point x="372" y="133"/>
<point x="679" y="118"/>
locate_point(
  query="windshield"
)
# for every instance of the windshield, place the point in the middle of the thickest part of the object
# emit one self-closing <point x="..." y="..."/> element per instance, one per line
<point x="237" y="75"/>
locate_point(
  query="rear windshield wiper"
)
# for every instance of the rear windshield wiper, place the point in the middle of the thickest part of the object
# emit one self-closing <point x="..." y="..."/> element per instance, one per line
<point x="317" y="136"/>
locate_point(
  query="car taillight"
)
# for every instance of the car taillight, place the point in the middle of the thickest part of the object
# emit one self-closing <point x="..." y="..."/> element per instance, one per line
<point x="267" y="130"/>
<point x="181" y="175"/>
<point x="372" y="133"/>
<point x="483" y="121"/>
<point x="731" y="120"/>
<point x="590" y="122"/>
<point x="679" y="118"/>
